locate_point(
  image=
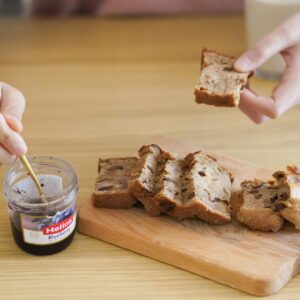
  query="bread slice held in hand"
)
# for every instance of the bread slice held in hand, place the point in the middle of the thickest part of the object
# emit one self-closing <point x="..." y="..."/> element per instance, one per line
<point x="219" y="83"/>
<point x="259" y="210"/>
<point x="111" y="188"/>
<point x="288" y="202"/>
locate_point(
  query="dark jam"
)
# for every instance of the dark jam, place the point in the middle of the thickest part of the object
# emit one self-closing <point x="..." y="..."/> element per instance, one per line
<point x="42" y="225"/>
<point x="53" y="230"/>
<point x="40" y="249"/>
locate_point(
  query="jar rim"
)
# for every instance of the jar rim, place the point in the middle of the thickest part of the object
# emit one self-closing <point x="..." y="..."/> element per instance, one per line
<point x="66" y="192"/>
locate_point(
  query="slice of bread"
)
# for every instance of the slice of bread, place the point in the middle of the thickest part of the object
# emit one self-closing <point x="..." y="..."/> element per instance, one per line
<point x="259" y="210"/>
<point x="168" y="183"/>
<point x="206" y="190"/>
<point x="288" y="202"/>
<point x="142" y="184"/>
<point x="219" y="83"/>
<point x="156" y="182"/>
<point x="111" y="188"/>
<point x="195" y="186"/>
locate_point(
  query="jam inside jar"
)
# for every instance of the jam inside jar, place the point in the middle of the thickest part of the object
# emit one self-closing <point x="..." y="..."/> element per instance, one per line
<point x="42" y="227"/>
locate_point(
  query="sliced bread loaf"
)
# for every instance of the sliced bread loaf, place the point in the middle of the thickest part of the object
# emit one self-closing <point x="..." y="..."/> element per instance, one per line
<point x="195" y="186"/>
<point x="111" y="188"/>
<point x="259" y="210"/>
<point x="219" y="83"/>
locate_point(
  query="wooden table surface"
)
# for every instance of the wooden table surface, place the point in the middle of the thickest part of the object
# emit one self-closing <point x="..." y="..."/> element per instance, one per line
<point x="104" y="87"/>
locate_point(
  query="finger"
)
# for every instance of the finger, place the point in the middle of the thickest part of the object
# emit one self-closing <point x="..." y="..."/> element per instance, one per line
<point x="12" y="102"/>
<point x="260" y="104"/>
<point x="11" y="140"/>
<point x="6" y="157"/>
<point x="279" y="39"/>
<point x="254" y="116"/>
<point x="14" y="123"/>
<point x="284" y="96"/>
<point x="287" y="93"/>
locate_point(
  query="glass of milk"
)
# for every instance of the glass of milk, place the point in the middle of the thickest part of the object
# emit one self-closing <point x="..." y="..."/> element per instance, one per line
<point x="262" y="16"/>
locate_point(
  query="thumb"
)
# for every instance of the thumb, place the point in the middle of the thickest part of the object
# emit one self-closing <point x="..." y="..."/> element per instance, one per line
<point x="279" y="39"/>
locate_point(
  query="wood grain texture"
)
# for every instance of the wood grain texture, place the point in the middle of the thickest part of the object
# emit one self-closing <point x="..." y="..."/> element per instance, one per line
<point x="229" y="254"/>
<point x="102" y="88"/>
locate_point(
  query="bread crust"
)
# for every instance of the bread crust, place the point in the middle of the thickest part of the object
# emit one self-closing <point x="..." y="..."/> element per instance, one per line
<point x="265" y="220"/>
<point x="117" y="199"/>
<point x="197" y="209"/>
<point x="145" y="197"/>
<point x="205" y="50"/>
<point x="203" y="96"/>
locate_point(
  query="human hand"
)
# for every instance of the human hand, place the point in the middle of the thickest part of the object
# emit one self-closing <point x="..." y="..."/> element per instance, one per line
<point x="284" y="40"/>
<point x="12" y="106"/>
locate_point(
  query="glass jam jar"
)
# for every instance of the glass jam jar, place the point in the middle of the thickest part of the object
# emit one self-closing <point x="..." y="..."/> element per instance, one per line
<point x="42" y="227"/>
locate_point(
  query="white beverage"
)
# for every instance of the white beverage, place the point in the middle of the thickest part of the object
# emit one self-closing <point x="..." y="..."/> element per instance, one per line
<point x="262" y="16"/>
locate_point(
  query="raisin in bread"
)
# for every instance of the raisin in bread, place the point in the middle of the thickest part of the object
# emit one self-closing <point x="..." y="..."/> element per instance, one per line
<point x="111" y="188"/>
<point x="259" y="210"/>
<point x="219" y="83"/>
<point x="195" y="186"/>
<point x="205" y="190"/>
<point x="288" y="202"/>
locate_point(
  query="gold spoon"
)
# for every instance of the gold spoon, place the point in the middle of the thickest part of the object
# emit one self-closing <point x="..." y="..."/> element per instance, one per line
<point x="29" y="169"/>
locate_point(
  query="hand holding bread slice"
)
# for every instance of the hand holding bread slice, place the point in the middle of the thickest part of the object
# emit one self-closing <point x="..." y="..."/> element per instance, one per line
<point x="219" y="83"/>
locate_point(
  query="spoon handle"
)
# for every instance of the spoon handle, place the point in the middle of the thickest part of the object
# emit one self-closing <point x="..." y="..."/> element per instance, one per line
<point x="28" y="167"/>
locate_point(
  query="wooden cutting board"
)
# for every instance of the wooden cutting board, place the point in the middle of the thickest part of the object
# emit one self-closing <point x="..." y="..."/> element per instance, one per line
<point x="255" y="262"/>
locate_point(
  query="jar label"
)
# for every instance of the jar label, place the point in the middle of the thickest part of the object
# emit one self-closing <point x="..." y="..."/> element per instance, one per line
<point x="46" y="230"/>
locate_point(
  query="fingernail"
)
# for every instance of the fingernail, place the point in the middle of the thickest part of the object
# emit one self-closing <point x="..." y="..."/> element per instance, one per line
<point x="243" y="64"/>
<point x="20" y="148"/>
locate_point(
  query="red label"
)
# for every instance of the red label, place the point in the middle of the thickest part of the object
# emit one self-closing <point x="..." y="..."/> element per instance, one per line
<point x="56" y="228"/>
